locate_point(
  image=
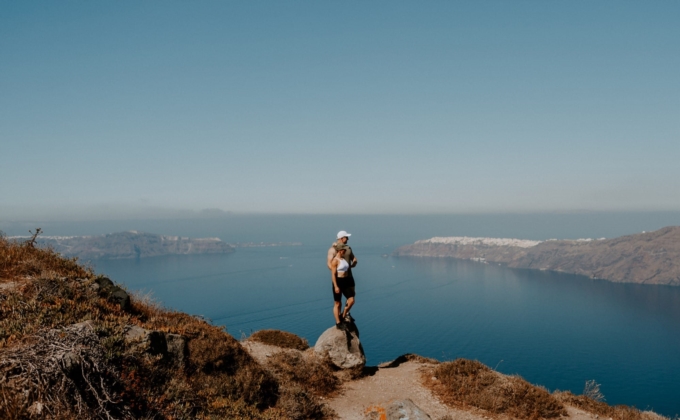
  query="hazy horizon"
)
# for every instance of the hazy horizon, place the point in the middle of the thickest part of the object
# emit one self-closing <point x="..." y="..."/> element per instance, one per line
<point x="157" y="214"/>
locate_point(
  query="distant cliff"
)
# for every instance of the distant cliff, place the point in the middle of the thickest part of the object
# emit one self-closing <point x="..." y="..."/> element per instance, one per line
<point x="132" y="245"/>
<point x="646" y="258"/>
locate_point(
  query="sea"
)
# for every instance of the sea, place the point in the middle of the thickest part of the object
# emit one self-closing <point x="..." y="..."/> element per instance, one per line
<point x="553" y="329"/>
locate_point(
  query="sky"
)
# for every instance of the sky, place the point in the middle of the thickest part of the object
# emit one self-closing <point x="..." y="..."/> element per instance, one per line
<point x="162" y="108"/>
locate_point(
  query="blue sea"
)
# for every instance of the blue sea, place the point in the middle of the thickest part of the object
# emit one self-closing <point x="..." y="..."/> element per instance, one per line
<point x="553" y="329"/>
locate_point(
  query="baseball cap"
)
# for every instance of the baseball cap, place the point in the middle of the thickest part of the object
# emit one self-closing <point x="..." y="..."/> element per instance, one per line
<point x="342" y="234"/>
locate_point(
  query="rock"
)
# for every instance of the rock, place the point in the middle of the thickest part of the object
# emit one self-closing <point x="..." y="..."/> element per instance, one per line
<point x="343" y="348"/>
<point x="177" y="347"/>
<point x="152" y="341"/>
<point x="112" y="292"/>
<point x="173" y="347"/>
<point x="397" y="410"/>
<point x="121" y="297"/>
<point x="85" y="325"/>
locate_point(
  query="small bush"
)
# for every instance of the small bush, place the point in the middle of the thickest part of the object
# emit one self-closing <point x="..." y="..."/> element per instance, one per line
<point x="303" y="370"/>
<point x="619" y="412"/>
<point x="299" y="404"/>
<point x="470" y="383"/>
<point x="281" y="339"/>
<point x="24" y="259"/>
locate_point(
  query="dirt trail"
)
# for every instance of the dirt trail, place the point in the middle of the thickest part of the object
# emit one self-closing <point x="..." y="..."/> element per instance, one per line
<point x="392" y="381"/>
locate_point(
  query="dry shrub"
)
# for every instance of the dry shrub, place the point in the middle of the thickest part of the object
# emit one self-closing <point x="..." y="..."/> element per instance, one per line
<point x="24" y="259"/>
<point x="304" y="370"/>
<point x="281" y="339"/>
<point x="618" y="412"/>
<point x="470" y="383"/>
<point x="298" y="404"/>
<point x="52" y="303"/>
<point x="409" y="357"/>
<point x="49" y="293"/>
<point x="60" y="373"/>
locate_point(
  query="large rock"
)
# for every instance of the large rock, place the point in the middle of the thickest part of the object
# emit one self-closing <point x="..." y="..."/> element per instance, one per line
<point x="173" y="347"/>
<point x="397" y="410"/>
<point x="342" y="348"/>
<point x="112" y="292"/>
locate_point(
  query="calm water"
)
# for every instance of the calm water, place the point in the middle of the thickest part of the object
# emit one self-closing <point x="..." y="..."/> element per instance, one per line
<point x="553" y="329"/>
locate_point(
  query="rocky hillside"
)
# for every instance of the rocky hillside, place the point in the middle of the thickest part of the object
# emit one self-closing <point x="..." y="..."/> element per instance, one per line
<point x="132" y="244"/>
<point x="645" y="258"/>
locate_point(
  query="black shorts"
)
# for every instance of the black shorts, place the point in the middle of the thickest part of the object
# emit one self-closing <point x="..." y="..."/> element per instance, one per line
<point x="346" y="285"/>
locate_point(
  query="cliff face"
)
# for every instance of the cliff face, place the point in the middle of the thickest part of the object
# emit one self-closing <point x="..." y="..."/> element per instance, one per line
<point x="646" y="258"/>
<point x="133" y="245"/>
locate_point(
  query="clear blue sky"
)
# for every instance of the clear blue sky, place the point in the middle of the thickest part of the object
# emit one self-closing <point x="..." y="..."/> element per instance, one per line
<point x="155" y="107"/>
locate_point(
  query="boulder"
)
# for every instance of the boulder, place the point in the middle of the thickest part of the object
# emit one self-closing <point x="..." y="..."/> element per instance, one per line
<point x="113" y="293"/>
<point x="173" y="347"/>
<point x="177" y="347"/>
<point x="342" y="348"/>
<point x="397" y="410"/>
<point x="152" y="341"/>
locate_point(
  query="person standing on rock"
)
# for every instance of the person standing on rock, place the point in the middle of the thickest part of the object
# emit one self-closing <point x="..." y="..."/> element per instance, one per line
<point x="340" y="261"/>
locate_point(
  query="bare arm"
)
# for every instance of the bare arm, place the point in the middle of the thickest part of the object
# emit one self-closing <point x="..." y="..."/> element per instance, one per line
<point x="329" y="258"/>
<point x="334" y="276"/>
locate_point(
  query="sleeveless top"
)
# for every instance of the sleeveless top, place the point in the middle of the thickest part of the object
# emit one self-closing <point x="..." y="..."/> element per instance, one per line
<point x="343" y="265"/>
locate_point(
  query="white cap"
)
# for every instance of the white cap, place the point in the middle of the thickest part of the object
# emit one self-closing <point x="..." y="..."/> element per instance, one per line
<point x="342" y="234"/>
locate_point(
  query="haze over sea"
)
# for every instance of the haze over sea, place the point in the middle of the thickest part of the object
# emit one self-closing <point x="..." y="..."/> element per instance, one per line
<point x="553" y="329"/>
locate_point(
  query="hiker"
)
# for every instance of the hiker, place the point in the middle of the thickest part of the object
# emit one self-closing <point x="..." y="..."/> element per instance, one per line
<point x="340" y="261"/>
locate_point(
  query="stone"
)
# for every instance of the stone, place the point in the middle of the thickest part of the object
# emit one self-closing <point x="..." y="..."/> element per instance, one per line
<point x="342" y="348"/>
<point x="173" y="347"/>
<point x="177" y="347"/>
<point x="397" y="410"/>
<point x="85" y="325"/>
<point x="122" y="298"/>
<point x="113" y="293"/>
<point x="152" y="341"/>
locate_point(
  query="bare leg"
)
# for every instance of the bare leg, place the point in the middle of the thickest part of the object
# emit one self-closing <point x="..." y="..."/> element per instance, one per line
<point x="336" y="312"/>
<point x="348" y="306"/>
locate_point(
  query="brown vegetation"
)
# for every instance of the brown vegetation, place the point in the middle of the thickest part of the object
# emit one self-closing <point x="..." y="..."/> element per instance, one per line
<point x="281" y="339"/>
<point x="305" y="370"/>
<point x="619" y="412"/>
<point x="53" y="367"/>
<point x="470" y="383"/>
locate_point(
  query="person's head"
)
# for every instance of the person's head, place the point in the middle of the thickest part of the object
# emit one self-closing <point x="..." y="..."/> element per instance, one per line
<point x="343" y="236"/>
<point x="340" y="248"/>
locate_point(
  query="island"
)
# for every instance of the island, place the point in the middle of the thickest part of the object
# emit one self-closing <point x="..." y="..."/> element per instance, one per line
<point x="131" y="244"/>
<point x="644" y="258"/>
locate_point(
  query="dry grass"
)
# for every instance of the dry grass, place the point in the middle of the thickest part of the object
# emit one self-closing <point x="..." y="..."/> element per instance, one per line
<point x="281" y="339"/>
<point x="50" y="294"/>
<point x="20" y="260"/>
<point x="470" y="383"/>
<point x="305" y="370"/>
<point x="302" y="378"/>
<point x="618" y="412"/>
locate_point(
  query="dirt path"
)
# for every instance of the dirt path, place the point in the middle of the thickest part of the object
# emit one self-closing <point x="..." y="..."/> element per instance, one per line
<point x="393" y="381"/>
